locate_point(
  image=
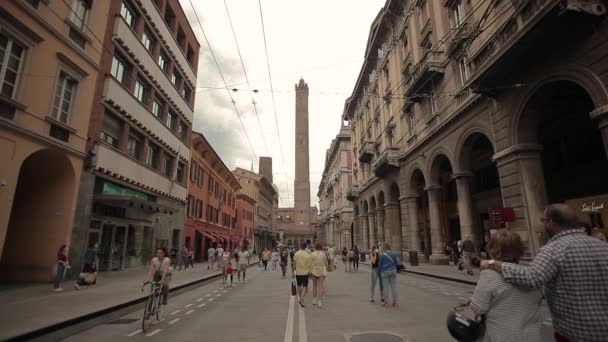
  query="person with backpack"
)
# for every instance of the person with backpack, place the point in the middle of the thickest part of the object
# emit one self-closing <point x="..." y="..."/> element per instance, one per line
<point x="388" y="264"/>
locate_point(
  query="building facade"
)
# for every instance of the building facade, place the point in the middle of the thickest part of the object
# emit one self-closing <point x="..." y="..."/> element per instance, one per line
<point x="211" y="206"/>
<point x="449" y="123"/>
<point x="245" y="209"/>
<point x="134" y="188"/>
<point x="49" y="64"/>
<point x="336" y="212"/>
<point x="260" y="188"/>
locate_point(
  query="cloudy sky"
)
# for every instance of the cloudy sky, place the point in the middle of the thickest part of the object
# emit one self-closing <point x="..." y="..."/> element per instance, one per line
<point x="320" y="40"/>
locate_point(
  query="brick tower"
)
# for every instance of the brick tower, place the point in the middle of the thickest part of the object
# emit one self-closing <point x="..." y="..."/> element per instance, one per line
<point x="302" y="177"/>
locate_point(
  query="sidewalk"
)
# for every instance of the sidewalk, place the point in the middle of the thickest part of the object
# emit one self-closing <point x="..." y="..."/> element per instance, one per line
<point x="34" y="307"/>
<point x="441" y="271"/>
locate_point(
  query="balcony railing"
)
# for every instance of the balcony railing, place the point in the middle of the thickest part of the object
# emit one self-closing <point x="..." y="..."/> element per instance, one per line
<point x="367" y="152"/>
<point x="388" y="161"/>
<point x="352" y="193"/>
<point x="432" y="64"/>
<point x="461" y="34"/>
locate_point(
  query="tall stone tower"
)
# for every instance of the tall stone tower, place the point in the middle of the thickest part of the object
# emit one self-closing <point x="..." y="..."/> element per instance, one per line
<point x="302" y="180"/>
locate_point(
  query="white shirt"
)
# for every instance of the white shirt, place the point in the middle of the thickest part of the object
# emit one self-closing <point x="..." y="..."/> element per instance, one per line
<point x="243" y="257"/>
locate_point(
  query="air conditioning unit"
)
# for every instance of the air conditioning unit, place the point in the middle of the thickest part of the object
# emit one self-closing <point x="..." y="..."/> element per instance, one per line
<point x="594" y="7"/>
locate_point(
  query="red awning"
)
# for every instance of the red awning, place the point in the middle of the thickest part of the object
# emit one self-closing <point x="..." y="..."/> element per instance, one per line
<point x="209" y="236"/>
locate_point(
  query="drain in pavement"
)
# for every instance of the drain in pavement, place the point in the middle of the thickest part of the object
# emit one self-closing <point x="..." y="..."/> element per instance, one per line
<point x="376" y="337"/>
<point x="123" y="321"/>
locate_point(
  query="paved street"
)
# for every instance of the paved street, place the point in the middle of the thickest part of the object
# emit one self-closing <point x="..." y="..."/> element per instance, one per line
<point x="263" y="310"/>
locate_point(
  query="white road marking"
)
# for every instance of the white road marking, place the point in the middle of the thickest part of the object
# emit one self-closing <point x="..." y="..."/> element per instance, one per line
<point x="134" y="333"/>
<point x="457" y="294"/>
<point x="302" y="325"/>
<point x="549" y="319"/>
<point x="189" y="312"/>
<point x="176" y="312"/>
<point x="174" y="321"/>
<point x="289" y="326"/>
<point x="434" y="290"/>
<point x="208" y="295"/>
<point x="219" y="294"/>
<point x="225" y="290"/>
<point x="447" y="294"/>
<point x="198" y="300"/>
<point x="189" y="305"/>
<point x="154" y="332"/>
<point x="200" y="306"/>
<point x="215" y="291"/>
<point x="211" y="299"/>
<point x="462" y="298"/>
<point x="547" y="323"/>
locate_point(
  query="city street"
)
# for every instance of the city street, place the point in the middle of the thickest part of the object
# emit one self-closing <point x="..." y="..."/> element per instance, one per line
<point x="262" y="309"/>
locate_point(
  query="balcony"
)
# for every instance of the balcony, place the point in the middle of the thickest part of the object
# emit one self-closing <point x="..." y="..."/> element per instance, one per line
<point x="118" y="97"/>
<point x="387" y="162"/>
<point x="431" y="65"/>
<point x="352" y="193"/>
<point x="126" y="38"/>
<point x="460" y="35"/>
<point x="128" y="170"/>
<point x="367" y="152"/>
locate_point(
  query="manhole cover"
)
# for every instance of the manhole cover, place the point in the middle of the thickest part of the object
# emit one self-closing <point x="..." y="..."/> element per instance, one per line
<point x="375" y="337"/>
<point x="124" y="321"/>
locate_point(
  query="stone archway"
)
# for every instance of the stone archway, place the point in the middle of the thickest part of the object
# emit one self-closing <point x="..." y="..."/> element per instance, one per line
<point x="443" y="211"/>
<point x="41" y="216"/>
<point x="418" y="212"/>
<point x="393" y="215"/>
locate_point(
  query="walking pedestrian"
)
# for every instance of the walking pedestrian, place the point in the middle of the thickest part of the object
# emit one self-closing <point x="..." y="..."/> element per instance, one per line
<point x="88" y="275"/>
<point x="468" y="253"/>
<point x="318" y="271"/>
<point x="228" y="271"/>
<point x="275" y="259"/>
<point x="191" y="258"/>
<point x="351" y="259"/>
<point x="357" y="254"/>
<point x="173" y="257"/>
<point x="373" y="256"/>
<point x="185" y="253"/>
<point x="219" y="252"/>
<point x="512" y="313"/>
<point x="283" y="262"/>
<point x="332" y="257"/>
<point x="388" y="262"/>
<point x="243" y="263"/>
<point x="61" y="267"/>
<point x="211" y="257"/>
<point x="225" y="260"/>
<point x="265" y="258"/>
<point x="573" y="268"/>
<point x="292" y="253"/>
<point x="345" y="260"/>
<point x="302" y="264"/>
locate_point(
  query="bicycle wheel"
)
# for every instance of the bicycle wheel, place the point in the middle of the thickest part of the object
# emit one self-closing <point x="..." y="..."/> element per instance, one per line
<point x="160" y="312"/>
<point x="148" y="310"/>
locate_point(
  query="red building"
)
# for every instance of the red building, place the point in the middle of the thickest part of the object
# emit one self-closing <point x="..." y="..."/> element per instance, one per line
<point x="212" y="201"/>
<point x="245" y="207"/>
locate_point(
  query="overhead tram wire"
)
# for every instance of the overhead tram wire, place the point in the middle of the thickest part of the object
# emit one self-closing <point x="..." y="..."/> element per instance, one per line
<point x="223" y="79"/>
<point x="274" y="106"/>
<point x="238" y="49"/>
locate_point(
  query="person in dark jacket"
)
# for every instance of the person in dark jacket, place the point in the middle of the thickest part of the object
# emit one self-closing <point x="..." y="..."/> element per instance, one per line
<point x="89" y="269"/>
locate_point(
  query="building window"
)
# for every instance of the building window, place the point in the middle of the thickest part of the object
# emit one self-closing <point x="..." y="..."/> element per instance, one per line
<point x="457" y="15"/>
<point x="64" y="94"/>
<point x="141" y="91"/>
<point x="11" y="56"/>
<point x="181" y="167"/>
<point x="80" y="13"/>
<point x="120" y="70"/>
<point x="187" y="93"/>
<point x="157" y="108"/>
<point x="193" y="169"/>
<point x="211" y="183"/>
<point x="148" y="40"/>
<point x="34" y="3"/>
<point x="163" y="62"/>
<point x="199" y="178"/>
<point x="409" y="116"/>
<point x="176" y="79"/>
<point x="151" y="155"/>
<point x="171" y="118"/>
<point x="169" y="17"/>
<point x="182" y="131"/>
<point x="126" y="11"/>
<point x="167" y="166"/>
<point x="463" y="68"/>
<point x="190" y="55"/>
<point x="134" y="145"/>
<point x="111" y="130"/>
<point x="190" y="205"/>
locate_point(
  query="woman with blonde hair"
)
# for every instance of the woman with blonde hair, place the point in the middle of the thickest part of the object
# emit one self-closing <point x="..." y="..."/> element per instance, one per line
<point x="511" y="313"/>
<point x="320" y="262"/>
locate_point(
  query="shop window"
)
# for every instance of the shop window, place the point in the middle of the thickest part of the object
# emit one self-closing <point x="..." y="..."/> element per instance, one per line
<point x="111" y="129"/>
<point x="64" y="94"/>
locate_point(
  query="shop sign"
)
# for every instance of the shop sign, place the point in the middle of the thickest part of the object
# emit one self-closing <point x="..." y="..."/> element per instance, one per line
<point x="591" y="208"/>
<point x="114" y="189"/>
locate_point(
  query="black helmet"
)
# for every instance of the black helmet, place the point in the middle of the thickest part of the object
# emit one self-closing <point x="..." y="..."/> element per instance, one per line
<point x="462" y="328"/>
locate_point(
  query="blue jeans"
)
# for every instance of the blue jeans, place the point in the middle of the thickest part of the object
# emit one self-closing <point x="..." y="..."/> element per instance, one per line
<point x="376" y="278"/>
<point x="389" y="280"/>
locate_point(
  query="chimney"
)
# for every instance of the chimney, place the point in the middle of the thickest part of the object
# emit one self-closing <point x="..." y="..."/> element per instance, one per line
<point x="266" y="168"/>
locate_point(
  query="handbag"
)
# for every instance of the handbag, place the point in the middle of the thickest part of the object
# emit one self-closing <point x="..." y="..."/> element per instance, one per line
<point x="88" y="278"/>
<point x="293" y="287"/>
<point x="398" y="265"/>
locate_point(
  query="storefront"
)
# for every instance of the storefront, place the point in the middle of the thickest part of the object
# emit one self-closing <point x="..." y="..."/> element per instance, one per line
<point x="592" y="211"/>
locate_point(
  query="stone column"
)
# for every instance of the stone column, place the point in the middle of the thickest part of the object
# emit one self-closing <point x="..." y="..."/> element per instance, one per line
<point x="373" y="238"/>
<point x="601" y="116"/>
<point x="393" y="223"/>
<point x="437" y="241"/>
<point x="380" y="224"/>
<point x="356" y="236"/>
<point x="412" y="213"/>
<point x="465" y="204"/>
<point x="364" y="232"/>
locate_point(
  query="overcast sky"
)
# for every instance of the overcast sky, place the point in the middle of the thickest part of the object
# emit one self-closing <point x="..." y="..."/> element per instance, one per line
<point x="320" y="40"/>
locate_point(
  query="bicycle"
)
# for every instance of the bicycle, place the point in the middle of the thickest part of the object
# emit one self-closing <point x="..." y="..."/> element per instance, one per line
<point x="153" y="306"/>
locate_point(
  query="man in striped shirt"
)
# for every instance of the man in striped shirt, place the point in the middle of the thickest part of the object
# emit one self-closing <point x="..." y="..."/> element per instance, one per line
<point x="573" y="268"/>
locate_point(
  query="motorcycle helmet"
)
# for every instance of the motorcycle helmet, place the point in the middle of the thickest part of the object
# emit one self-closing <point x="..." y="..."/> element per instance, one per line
<point x="462" y="328"/>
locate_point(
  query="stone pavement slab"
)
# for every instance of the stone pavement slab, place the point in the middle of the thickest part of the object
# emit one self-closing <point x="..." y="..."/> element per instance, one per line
<point x="29" y="308"/>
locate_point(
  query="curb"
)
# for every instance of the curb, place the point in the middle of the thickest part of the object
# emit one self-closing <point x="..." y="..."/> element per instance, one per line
<point x="457" y="280"/>
<point x="98" y="317"/>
